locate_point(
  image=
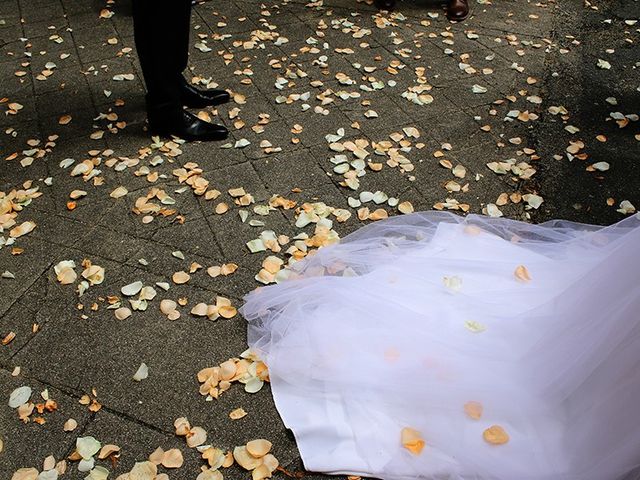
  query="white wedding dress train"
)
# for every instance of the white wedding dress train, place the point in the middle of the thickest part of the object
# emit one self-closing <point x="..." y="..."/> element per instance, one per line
<point x="449" y="326"/>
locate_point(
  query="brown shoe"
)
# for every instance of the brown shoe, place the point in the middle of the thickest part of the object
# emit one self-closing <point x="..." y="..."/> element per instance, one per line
<point x="457" y="10"/>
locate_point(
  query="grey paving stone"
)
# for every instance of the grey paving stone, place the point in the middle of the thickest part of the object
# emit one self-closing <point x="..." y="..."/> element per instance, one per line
<point x="52" y="12"/>
<point x="27" y="445"/>
<point x="9" y="7"/>
<point x="19" y="319"/>
<point x="197" y="238"/>
<point x="56" y="229"/>
<point x="77" y="348"/>
<point x="69" y="101"/>
<point x="37" y="28"/>
<point x="26" y="274"/>
<point x="137" y="441"/>
<point x="40" y="305"/>
<point x="316" y="124"/>
<point x="161" y="397"/>
<point x="283" y="172"/>
<point x="277" y="133"/>
<point x="232" y="235"/>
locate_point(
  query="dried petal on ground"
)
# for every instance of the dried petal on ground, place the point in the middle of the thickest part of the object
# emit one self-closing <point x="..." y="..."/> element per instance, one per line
<point x="22" y="229"/>
<point x="261" y="473"/>
<point x="237" y="414"/>
<point x="142" y="373"/>
<point x="180" y="278"/>
<point x="122" y="313"/>
<point x="19" y="396"/>
<point x="108" y="450"/>
<point x="65" y="273"/>
<point x="70" y="425"/>
<point x="98" y="473"/>
<point x="214" y="457"/>
<point x="87" y="447"/>
<point x="196" y="437"/>
<point x="259" y="448"/>
<point x="244" y="459"/>
<point x="405" y="207"/>
<point x="132" y="289"/>
<point x="25" y="474"/>
<point x="172" y="458"/>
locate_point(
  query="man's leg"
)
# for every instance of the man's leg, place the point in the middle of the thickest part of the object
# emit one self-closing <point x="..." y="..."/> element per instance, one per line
<point x="385" y="4"/>
<point x="161" y="30"/>
<point x="162" y="40"/>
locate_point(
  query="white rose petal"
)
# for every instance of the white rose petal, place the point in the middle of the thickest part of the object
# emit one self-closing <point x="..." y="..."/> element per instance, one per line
<point x="86" y="465"/>
<point x="132" y="289"/>
<point x="493" y="211"/>
<point x="532" y="200"/>
<point x="253" y="385"/>
<point x="626" y="207"/>
<point x="601" y="166"/>
<point x="142" y="373"/>
<point x="19" y="396"/>
<point x="87" y="447"/>
<point x="98" y="473"/>
<point x="452" y="283"/>
<point x="48" y="475"/>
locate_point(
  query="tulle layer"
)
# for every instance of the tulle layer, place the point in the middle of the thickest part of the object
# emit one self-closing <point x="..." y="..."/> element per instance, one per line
<point x="408" y="320"/>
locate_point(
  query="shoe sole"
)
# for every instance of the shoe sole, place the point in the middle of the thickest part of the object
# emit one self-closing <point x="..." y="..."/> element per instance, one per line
<point x="460" y="19"/>
<point x="207" y="104"/>
<point x="188" y="138"/>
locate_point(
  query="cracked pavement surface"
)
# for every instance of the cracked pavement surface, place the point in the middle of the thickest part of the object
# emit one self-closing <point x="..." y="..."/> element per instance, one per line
<point x="527" y="110"/>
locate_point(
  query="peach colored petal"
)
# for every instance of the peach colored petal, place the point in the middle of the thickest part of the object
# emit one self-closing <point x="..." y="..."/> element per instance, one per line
<point x="172" y="458"/>
<point x="245" y="460"/>
<point x="261" y="473"/>
<point x="259" y="448"/>
<point x="412" y="440"/>
<point x="495" y="435"/>
<point x="196" y="437"/>
<point x="473" y="410"/>
<point x="522" y="274"/>
<point x="180" y="278"/>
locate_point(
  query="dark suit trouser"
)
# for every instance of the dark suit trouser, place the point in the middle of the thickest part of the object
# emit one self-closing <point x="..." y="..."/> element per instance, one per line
<point x="161" y="30"/>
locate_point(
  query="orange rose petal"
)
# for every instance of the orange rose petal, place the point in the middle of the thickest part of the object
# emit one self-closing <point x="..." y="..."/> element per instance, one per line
<point x="522" y="274"/>
<point x="473" y="410"/>
<point x="412" y="440"/>
<point x="495" y="435"/>
<point x="227" y="311"/>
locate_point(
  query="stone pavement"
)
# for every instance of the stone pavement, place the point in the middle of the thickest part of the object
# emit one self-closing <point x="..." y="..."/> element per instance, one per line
<point x="527" y="110"/>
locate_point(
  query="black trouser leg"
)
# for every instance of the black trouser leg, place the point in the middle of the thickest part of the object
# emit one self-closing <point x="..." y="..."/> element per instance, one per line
<point x="161" y="30"/>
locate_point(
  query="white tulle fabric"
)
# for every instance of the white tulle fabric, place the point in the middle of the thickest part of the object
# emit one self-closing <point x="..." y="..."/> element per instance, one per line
<point x="366" y="338"/>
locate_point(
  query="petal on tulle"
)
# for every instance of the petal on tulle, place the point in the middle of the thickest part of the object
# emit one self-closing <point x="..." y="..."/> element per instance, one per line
<point x="412" y="440"/>
<point x="473" y="410"/>
<point x="454" y="284"/>
<point x="475" y="327"/>
<point x="495" y="435"/>
<point x="522" y="274"/>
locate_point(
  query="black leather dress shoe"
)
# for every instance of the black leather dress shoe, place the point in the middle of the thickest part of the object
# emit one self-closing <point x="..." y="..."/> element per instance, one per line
<point x="167" y="120"/>
<point x="385" y="4"/>
<point x="193" y="97"/>
<point x="457" y="10"/>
